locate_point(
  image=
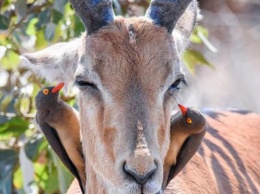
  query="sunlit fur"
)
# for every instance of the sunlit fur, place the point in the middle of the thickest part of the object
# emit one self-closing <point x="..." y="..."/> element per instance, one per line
<point x="227" y="161"/>
<point x="133" y="70"/>
<point x="127" y="119"/>
<point x="58" y="62"/>
<point x="133" y="73"/>
<point x="132" y="79"/>
<point x="229" y="156"/>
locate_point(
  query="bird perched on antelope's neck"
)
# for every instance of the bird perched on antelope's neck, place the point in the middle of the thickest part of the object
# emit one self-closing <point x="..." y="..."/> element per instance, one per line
<point x="188" y="127"/>
<point x="60" y="124"/>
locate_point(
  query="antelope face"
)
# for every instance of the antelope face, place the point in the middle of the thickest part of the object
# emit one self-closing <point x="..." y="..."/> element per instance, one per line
<point x="128" y="76"/>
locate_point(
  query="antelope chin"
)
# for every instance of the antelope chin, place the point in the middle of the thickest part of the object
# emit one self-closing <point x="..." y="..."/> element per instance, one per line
<point x="151" y="187"/>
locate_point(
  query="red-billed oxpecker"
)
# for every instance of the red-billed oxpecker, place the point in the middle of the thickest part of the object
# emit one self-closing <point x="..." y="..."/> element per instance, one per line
<point x="60" y="124"/>
<point x="188" y="127"/>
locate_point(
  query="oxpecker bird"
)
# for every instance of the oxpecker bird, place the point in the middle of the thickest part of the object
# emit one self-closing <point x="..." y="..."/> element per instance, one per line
<point x="188" y="127"/>
<point x="60" y="124"/>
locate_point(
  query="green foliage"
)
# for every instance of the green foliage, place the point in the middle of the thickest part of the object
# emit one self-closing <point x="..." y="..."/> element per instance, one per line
<point x="8" y="159"/>
<point x="3" y="22"/>
<point x="14" y="127"/>
<point x="28" y="25"/>
<point x="192" y="57"/>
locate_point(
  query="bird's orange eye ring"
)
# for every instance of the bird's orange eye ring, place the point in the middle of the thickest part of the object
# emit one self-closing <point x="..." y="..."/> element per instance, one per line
<point x="45" y="91"/>
<point x="189" y="120"/>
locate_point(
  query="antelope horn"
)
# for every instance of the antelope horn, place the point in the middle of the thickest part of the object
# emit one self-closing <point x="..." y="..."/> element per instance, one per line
<point x="94" y="14"/>
<point x="167" y="12"/>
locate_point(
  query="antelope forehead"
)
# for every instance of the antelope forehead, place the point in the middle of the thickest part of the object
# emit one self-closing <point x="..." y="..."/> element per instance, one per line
<point x="134" y="38"/>
<point x="129" y="51"/>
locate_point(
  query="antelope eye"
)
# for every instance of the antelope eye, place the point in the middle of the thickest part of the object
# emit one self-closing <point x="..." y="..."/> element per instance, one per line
<point x="176" y="84"/>
<point x="45" y="91"/>
<point x="174" y="87"/>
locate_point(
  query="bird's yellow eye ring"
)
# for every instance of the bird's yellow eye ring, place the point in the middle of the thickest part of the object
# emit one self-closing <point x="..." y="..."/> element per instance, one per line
<point x="189" y="120"/>
<point x="45" y="91"/>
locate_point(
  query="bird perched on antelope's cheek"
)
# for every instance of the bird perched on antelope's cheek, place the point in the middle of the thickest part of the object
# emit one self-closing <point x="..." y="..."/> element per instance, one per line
<point x="187" y="130"/>
<point x="60" y="124"/>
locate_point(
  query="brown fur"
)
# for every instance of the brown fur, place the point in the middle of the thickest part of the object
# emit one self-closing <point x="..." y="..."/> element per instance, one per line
<point x="133" y="73"/>
<point x="227" y="158"/>
<point x="130" y="95"/>
<point x="119" y="62"/>
<point x="227" y="161"/>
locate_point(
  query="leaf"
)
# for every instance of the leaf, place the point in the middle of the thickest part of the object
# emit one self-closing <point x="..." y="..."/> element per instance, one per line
<point x="52" y="183"/>
<point x="20" y="8"/>
<point x="63" y="175"/>
<point x="58" y="33"/>
<point x="17" y="104"/>
<point x="31" y="28"/>
<point x="41" y="172"/>
<point x="13" y="127"/>
<point x="78" y="26"/>
<point x="31" y="148"/>
<point x="56" y="16"/>
<point x="46" y="176"/>
<point x="49" y="31"/>
<point x="204" y="31"/>
<point x="68" y="11"/>
<point x="25" y="103"/>
<point x="10" y="108"/>
<point x="59" y="5"/>
<point x="6" y="186"/>
<point x="192" y="58"/>
<point x="44" y="17"/>
<point x="3" y="38"/>
<point x="4" y="22"/>
<point x="10" y="60"/>
<point x="35" y="91"/>
<point x="40" y="40"/>
<point x="18" y="179"/>
<point x="3" y="119"/>
<point x="195" y="38"/>
<point x="5" y="101"/>
<point x="8" y="160"/>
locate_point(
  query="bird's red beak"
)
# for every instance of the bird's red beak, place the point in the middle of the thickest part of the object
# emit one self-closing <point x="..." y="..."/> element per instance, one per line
<point x="57" y="88"/>
<point x="183" y="109"/>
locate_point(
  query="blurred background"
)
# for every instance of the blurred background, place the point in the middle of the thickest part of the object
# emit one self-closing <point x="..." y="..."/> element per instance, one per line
<point x="234" y="32"/>
<point x="222" y="67"/>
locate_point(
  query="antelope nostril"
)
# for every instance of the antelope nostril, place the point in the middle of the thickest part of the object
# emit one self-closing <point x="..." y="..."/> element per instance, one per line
<point x="140" y="178"/>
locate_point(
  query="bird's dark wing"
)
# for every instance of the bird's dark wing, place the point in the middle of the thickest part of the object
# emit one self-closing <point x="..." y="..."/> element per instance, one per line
<point x="188" y="149"/>
<point x="54" y="141"/>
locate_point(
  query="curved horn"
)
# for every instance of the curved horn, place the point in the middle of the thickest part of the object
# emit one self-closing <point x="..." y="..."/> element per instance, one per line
<point x="94" y="13"/>
<point x="167" y="12"/>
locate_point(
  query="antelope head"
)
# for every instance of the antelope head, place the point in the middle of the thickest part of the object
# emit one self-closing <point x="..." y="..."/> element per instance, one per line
<point x="128" y="72"/>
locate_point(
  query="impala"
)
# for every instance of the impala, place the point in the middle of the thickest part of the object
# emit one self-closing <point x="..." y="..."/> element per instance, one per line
<point x="128" y="72"/>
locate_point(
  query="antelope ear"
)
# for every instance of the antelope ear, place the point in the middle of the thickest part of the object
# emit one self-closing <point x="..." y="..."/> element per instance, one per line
<point x="56" y="63"/>
<point x="188" y="149"/>
<point x="177" y="16"/>
<point x="185" y="26"/>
